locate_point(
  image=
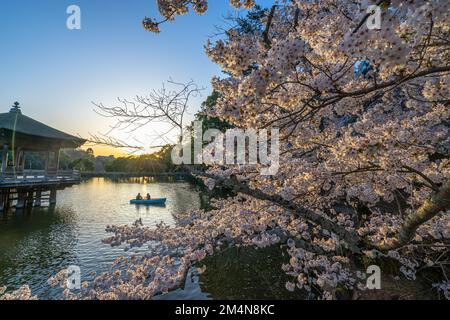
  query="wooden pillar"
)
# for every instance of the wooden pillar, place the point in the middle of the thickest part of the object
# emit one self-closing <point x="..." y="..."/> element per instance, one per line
<point x="57" y="153"/>
<point x="47" y="160"/>
<point x="21" y="199"/>
<point x="37" y="201"/>
<point x="3" y="200"/>
<point x="17" y="159"/>
<point x="52" y="196"/>
<point x="4" y="158"/>
<point x="22" y="163"/>
<point x="29" y="201"/>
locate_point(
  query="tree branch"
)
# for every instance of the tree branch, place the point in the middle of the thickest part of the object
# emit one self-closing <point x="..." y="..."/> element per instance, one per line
<point x="265" y="34"/>
<point x="430" y="208"/>
<point x="352" y="239"/>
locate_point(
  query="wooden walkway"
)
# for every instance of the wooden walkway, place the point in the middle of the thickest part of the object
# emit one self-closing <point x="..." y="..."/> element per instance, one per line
<point x="31" y="187"/>
<point x="33" y="178"/>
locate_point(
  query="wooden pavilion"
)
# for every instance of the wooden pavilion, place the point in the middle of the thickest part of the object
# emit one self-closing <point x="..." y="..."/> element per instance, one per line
<point x="21" y="136"/>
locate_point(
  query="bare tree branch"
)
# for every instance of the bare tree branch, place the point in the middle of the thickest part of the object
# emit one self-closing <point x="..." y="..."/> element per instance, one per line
<point x="167" y="105"/>
<point x="98" y="139"/>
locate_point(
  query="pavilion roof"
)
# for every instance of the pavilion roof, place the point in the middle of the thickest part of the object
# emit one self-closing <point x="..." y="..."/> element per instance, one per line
<point x="15" y="121"/>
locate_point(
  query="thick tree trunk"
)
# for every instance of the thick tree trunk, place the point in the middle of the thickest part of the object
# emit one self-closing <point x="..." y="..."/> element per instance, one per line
<point x="430" y="208"/>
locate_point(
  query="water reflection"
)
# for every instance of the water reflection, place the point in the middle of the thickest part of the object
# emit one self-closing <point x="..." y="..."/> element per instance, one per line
<point x="38" y="242"/>
<point x="247" y="273"/>
<point x="33" y="244"/>
<point x="243" y="273"/>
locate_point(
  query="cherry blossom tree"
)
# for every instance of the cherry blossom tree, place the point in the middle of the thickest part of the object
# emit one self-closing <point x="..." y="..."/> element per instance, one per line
<point x="23" y="293"/>
<point x="364" y="168"/>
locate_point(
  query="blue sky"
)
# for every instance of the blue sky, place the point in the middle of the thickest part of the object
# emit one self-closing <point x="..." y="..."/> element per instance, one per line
<point x="55" y="73"/>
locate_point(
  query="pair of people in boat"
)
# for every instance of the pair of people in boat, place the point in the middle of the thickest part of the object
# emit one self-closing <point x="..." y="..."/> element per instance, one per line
<point x="147" y="197"/>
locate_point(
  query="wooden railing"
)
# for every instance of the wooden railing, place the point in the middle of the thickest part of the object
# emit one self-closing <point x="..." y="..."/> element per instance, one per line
<point x="36" y="176"/>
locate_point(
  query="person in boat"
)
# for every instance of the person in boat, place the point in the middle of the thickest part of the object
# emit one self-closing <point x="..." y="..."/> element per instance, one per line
<point x="148" y="196"/>
<point x="139" y="197"/>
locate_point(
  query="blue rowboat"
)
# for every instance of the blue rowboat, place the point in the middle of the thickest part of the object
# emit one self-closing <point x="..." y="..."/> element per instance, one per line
<point x="159" y="201"/>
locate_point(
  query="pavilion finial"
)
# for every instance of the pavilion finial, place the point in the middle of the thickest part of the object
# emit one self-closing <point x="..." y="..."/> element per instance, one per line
<point x="15" y="108"/>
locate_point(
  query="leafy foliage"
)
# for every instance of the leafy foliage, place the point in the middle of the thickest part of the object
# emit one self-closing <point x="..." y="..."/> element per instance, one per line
<point x="149" y="163"/>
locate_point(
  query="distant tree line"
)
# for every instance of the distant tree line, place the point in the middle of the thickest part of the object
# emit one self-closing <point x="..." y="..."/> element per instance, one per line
<point x="155" y="162"/>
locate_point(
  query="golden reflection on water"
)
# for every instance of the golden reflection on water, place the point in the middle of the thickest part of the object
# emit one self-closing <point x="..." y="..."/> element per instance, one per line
<point x="37" y="243"/>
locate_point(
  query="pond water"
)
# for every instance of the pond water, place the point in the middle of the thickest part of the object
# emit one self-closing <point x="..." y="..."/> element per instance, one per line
<point x="37" y="243"/>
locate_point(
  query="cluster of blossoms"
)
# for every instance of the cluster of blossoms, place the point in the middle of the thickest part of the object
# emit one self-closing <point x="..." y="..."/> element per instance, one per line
<point x="310" y="271"/>
<point x="234" y="56"/>
<point x="364" y="162"/>
<point x="383" y="47"/>
<point x="23" y="293"/>
<point x="169" y="9"/>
